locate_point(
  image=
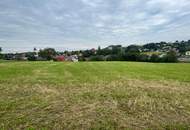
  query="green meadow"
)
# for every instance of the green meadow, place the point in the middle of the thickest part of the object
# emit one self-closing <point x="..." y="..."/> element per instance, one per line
<point x="94" y="95"/>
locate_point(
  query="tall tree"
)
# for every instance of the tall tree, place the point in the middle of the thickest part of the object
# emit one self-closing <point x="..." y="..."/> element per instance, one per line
<point x="132" y="53"/>
<point x="47" y="53"/>
<point x="171" y="56"/>
<point x="1" y="56"/>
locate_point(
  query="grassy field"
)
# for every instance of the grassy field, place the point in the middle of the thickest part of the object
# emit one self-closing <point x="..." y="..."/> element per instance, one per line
<point x="94" y="95"/>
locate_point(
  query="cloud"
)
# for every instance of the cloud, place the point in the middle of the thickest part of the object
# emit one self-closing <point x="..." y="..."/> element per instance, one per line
<point x="80" y="24"/>
<point x="92" y="3"/>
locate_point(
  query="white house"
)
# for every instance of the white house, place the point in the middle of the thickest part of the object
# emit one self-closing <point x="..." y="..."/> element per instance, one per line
<point x="73" y="58"/>
<point x="187" y="53"/>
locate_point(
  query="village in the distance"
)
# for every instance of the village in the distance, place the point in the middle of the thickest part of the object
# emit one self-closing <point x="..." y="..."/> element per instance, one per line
<point x="178" y="51"/>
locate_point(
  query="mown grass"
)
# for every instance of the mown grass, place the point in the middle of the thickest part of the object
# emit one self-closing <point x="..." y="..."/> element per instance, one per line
<point x="94" y="95"/>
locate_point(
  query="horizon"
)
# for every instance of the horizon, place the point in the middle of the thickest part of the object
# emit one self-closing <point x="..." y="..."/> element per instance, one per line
<point x="62" y="49"/>
<point x="85" y="24"/>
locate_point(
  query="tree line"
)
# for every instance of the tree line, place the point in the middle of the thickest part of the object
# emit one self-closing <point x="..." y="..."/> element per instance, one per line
<point x="130" y="53"/>
<point x="151" y="52"/>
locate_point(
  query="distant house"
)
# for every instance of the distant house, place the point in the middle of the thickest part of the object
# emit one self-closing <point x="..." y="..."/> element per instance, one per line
<point x="93" y="50"/>
<point x="187" y="53"/>
<point x="110" y="48"/>
<point x="72" y="58"/>
<point x="60" y="58"/>
<point x="184" y="59"/>
<point x="21" y="56"/>
<point x="75" y="58"/>
<point x="9" y="56"/>
<point x="162" y="55"/>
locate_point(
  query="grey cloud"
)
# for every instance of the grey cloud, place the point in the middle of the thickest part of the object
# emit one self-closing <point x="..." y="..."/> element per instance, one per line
<point x="73" y="24"/>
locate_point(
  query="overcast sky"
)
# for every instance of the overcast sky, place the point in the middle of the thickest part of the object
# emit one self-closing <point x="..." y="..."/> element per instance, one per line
<point x="81" y="24"/>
